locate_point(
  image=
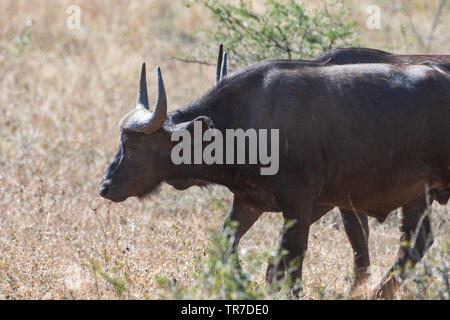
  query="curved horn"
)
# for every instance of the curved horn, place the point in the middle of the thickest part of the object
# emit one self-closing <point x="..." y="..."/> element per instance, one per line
<point x="142" y="98"/>
<point x="159" y="115"/>
<point x="141" y="119"/>
<point x="223" y="70"/>
<point x="219" y="63"/>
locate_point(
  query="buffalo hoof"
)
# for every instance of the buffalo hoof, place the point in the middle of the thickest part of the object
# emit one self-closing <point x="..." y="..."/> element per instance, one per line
<point x="274" y="273"/>
<point x="357" y="284"/>
<point x="386" y="290"/>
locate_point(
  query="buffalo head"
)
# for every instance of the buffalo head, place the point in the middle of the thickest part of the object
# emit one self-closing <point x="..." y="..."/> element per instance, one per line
<point x="143" y="157"/>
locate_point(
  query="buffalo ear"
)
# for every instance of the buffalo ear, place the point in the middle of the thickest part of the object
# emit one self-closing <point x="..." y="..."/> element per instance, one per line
<point x="189" y="125"/>
<point x="207" y="123"/>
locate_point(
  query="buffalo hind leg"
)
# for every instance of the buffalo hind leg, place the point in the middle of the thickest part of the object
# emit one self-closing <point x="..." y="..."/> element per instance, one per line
<point x="357" y="229"/>
<point x="318" y="212"/>
<point x="416" y="237"/>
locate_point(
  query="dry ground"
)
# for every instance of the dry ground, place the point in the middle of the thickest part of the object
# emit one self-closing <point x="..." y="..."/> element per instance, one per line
<point x="61" y="96"/>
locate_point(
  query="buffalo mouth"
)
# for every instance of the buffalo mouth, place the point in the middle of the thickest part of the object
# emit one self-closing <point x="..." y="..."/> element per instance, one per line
<point x="115" y="198"/>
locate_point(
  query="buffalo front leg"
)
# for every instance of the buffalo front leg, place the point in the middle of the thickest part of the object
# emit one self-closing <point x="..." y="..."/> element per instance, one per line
<point x="416" y="237"/>
<point x="244" y="214"/>
<point x="357" y="229"/>
<point x="297" y="216"/>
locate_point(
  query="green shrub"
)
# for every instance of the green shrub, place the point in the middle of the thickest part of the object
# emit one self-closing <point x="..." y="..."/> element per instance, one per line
<point x="430" y="279"/>
<point x="285" y="30"/>
<point x="222" y="277"/>
<point x="21" y="42"/>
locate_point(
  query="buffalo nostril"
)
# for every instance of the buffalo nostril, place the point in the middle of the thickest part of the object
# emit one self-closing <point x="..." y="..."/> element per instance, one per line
<point x="103" y="190"/>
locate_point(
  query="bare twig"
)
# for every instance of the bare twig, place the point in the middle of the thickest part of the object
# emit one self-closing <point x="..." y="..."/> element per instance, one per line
<point x="425" y="43"/>
<point x="412" y="24"/>
<point x="359" y="218"/>
<point x="287" y="48"/>
<point x="303" y="39"/>
<point x="435" y="23"/>
<point x="186" y="60"/>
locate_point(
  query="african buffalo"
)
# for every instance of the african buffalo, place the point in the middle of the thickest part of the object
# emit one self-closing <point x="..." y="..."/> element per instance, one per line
<point x="364" y="137"/>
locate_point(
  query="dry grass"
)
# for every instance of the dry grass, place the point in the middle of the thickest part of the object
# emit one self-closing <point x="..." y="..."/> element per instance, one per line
<point x="60" y="100"/>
